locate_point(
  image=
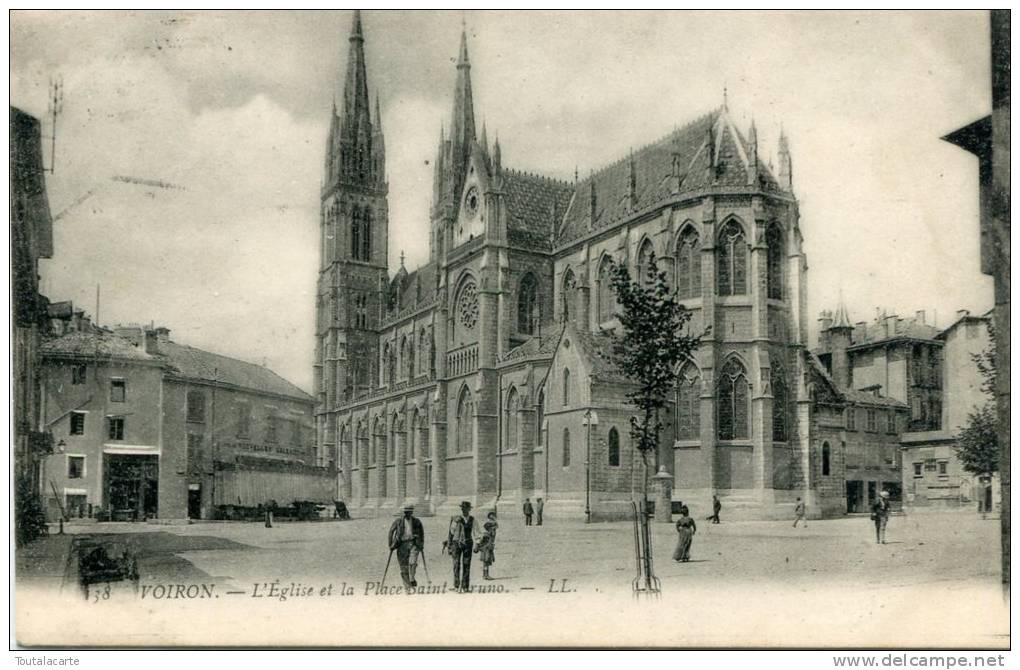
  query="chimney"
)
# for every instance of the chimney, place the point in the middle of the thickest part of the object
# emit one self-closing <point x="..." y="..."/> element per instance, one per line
<point x="860" y="331"/>
<point x="919" y="316"/>
<point x="162" y="334"/>
<point x="131" y="333"/>
<point x="824" y="320"/>
<point x="151" y="342"/>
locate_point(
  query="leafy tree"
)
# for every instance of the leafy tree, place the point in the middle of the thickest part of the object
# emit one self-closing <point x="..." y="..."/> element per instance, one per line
<point x="29" y="517"/>
<point x="653" y="341"/>
<point x="978" y="444"/>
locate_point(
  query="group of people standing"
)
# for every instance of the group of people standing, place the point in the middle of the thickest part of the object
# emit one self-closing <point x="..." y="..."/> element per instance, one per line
<point x="407" y="536"/>
<point x="464" y="539"/>
<point x="533" y="510"/>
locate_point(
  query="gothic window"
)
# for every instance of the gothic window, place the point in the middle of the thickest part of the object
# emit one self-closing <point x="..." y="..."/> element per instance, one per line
<point x="614" y="447"/>
<point x="774" y="261"/>
<point x="688" y="266"/>
<point x="688" y="403"/>
<point x="851" y="419"/>
<point x="607" y="299"/>
<point x="566" y="447"/>
<point x="780" y="406"/>
<point x="423" y="347"/>
<point x="366" y="235"/>
<point x="356" y="233"/>
<point x="731" y="257"/>
<point x="467" y="306"/>
<point x="385" y="364"/>
<point x="733" y="402"/>
<point x="405" y="358"/>
<point x="465" y="417"/>
<point x="395" y="428"/>
<point x="512" y="407"/>
<point x="566" y="387"/>
<point x="569" y="283"/>
<point x="826" y="456"/>
<point x="412" y="437"/>
<point x="645" y="256"/>
<point x="527" y="306"/>
<point x="410" y="357"/>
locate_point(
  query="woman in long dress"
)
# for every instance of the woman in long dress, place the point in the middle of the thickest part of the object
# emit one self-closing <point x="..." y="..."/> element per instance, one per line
<point x="685" y="528"/>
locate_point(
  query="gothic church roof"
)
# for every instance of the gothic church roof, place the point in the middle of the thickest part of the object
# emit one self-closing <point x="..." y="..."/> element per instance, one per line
<point x="693" y="146"/>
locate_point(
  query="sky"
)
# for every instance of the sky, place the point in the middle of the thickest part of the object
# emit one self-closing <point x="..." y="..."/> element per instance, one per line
<point x="230" y="111"/>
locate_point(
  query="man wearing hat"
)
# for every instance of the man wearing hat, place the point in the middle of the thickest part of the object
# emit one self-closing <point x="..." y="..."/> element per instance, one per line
<point x="407" y="537"/>
<point x="460" y="542"/>
<point x="880" y="515"/>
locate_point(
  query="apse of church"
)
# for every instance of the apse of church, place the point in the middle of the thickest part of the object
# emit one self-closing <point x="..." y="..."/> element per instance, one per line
<point x="478" y="375"/>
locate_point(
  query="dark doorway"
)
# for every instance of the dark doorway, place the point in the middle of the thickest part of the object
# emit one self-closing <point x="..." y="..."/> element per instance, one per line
<point x="195" y="502"/>
<point x="132" y="486"/>
<point x="872" y="492"/>
<point x="854" y="497"/>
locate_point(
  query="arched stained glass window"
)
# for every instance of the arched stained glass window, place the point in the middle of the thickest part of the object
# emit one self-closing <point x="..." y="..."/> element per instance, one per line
<point x="607" y="297"/>
<point x="688" y="403"/>
<point x="614" y="447"/>
<point x="731" y="258"/>
<point x="780" y="406"/>
<point x="733" y="401"/>
<point x="774" y="258"/>
<point x="527" y="305"/>
<point x="688" y="265"/>
<point x="645" y="255"/>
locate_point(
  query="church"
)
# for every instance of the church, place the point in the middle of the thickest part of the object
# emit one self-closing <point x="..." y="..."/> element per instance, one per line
<point x="477" y="376"/>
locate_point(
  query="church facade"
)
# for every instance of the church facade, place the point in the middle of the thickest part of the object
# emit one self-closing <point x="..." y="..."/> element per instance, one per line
<point x="478" y="376"/>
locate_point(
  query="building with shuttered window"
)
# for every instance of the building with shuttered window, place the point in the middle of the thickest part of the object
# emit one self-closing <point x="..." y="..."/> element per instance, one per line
<point x="146" y="428"/>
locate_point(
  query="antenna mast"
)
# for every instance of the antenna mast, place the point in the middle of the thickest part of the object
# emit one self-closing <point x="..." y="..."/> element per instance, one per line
<point x="55" y="106"/>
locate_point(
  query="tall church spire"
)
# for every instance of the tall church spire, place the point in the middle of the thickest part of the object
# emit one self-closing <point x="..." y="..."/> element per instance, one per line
<point x="462" y="132"/>
<point x="355" y="113"/>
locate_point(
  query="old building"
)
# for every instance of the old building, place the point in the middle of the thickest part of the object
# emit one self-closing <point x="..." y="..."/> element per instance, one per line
<point x="31" y="239"/>
<point x="148" y="428"/>
<point x="477" y="375"/>
<point x="932" y="473"/>
<point x="930" y="372"/>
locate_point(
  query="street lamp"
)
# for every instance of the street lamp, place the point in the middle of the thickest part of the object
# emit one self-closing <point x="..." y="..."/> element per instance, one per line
<point x="590" y="419"/>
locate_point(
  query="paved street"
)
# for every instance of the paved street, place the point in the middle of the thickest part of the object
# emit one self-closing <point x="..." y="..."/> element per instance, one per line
<point x="750" y="581"/>
<point x="922" y="549"/>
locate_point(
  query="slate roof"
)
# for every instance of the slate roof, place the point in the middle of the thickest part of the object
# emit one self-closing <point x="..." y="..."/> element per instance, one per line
<point x="194" y="363"/>
<point x="534" y="205"/>
<point x="653" y="169"/>
<point x="538" y="345"/>
<point x="852" y="395"/>
<point x="426" y="277"/>
<point x="875" y="332"/>
<point x="592" y="344"/>
<point x="866" y="398"/>
<point x="93" y="345"/>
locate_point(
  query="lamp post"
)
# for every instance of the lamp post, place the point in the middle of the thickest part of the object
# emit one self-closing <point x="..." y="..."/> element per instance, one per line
<point x="590" y="419"/>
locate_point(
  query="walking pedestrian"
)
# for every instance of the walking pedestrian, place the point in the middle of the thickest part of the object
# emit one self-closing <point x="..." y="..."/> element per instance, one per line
<point x="528" y="511"/>
<point x="716" y="507"/>
<point x="459" y="543"/>
<point x="407" y="538"/>
<point x="486" y="549"/>
<point x="539" y="505"/>
<point x="685" y="528"/>
<point x="799" y="511"/>
<point x="880" y="515"/>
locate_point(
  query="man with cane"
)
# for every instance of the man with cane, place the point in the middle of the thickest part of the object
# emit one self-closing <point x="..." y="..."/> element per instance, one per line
<point x="407" y="538"/>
